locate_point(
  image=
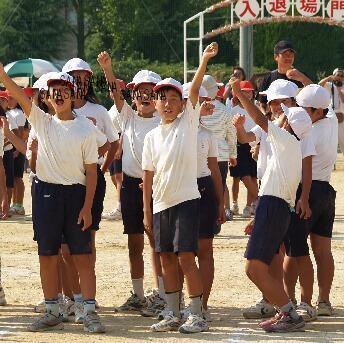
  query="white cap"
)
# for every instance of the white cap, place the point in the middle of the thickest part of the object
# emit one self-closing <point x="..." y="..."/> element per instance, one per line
<point x="299" y="120"/>
<point x="210" y="84"/>
<point x="281" y="89"/>
<point x="144" y="76"/>
<point x="62" y="76"/>
<point x="202" y="91"/>
<point x="76" y="64"/>
<point x="41" y="83"/>
<point x="314" y="96"/>
<point x="169" y="82"/>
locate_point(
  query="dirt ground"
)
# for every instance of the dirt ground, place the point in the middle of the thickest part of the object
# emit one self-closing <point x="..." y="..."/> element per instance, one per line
<point x="232" y="291"/>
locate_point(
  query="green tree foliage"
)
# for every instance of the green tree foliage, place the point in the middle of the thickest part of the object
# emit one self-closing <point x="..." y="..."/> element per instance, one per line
<point x="30" y="28"/>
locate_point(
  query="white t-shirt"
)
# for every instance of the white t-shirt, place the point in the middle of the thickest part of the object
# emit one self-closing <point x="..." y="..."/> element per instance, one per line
<point x="100" y="138"/>
<point x="114" y="115"/>
<point x="265" y="153"/>
<point x="170" y="151"/>
<point x="18" y="116"/>
<point x="220" y="124"/>
<point x="284" y="168"/>
<point x="325" y="137"/>
<point x="134" y="130"/>
<point x="102" y="117"/>
<point x="13" y="126"/>
<point x="206" y="147"/>
<point x="335" y="99"/>
<point x="249" y="123"/>
<point x="64" y="147"/>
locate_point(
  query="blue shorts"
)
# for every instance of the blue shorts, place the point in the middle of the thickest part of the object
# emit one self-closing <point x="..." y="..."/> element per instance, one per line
<point x="322" y="199"/>
<point x="246" y="165"/>
<point x="271" y="224"/>
<point x="56" y="212"/>
<point x="132" y="205"/>
<point x="9" y="168"/>
<point x="208" y="208"/>
<point x="176" y="229"/>
<point x="223" y="166"/>
<point x="115" y="167"/>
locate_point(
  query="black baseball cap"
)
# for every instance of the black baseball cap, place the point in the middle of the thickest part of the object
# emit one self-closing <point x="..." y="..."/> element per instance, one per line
<point x="283" y="46"/>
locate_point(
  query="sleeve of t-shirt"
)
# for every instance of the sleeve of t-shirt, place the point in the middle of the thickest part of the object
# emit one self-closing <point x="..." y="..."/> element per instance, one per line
<point x="192" y="114"/>
<point x="114" y="114"/>
<point x="38" y="118"/>
<point x="147" y="160"/>
<point x="90" y="149"/>
<point x="213" y="149"/>
<point x="21" y="119"/>
<point x="32" y="136"/>
<point x="125" y="114"/>
<point x="11" y="122"/>
<point x="100" y="137"/>
<point x="307" y="146"/>
<point x="231" y="137"/>
<point x="110" y="131"/>
<point x="258" y="131"/>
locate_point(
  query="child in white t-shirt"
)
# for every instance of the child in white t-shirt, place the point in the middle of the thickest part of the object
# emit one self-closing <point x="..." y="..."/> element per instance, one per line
<point x="277" y="195"/>
<point x="64" y="191"/>
<point x="170" y="172"/>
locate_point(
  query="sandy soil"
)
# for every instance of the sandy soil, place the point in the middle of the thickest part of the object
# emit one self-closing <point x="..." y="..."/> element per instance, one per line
<point x="232" y="290"/>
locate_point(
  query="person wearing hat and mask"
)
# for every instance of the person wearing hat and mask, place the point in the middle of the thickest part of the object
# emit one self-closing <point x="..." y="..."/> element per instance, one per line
<point x="170" y="175"/>
<point x="135" y="126"/>
<point x="284" y="56"/>
<point x="316" y="101"/>
<point x="335" y="86"/>
<point x="280" y="93"/>
<point x="246" y="168"/>
<point x="220" y="124"/>
<point x="64" y="190"/>
<point x="276" y="198"/>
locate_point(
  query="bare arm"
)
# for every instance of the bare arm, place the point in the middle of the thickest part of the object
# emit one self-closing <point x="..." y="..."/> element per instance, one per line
<point x="216" y="177"/>
<point x="110" y="155"/>
<point x="12" y="137"/>
<point x="91" y="184"/>
<point x="302" y="206"/>
<point x="258" y="117"/>
<point x="242" y="135"/>
<point x="16" y="92"/>
<point x="3" y="192"/>
<point x="147" y="198"/>
<point x="323" y="81"/>
<point x="103" y="149"/>
<point x="209" y="52"/>
<point x="104" y="60"/>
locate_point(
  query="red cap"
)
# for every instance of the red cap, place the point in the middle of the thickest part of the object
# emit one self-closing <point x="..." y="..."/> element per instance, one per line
<point x="28" y="91"/>
<point x="246" y="85"/>
<point x="220" y="92"/>
<point x="4" y="94"/>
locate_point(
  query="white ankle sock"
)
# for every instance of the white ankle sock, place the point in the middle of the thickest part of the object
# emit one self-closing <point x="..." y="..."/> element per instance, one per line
<point x="138" y="287"/>
<point x="162" y="293"/>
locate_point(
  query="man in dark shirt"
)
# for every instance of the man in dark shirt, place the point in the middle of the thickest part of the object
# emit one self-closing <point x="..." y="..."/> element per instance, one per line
<point x="284" y="55"/>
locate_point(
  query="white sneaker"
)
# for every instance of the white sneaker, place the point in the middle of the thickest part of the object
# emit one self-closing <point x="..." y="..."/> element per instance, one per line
<point x="155" y="305"/>
<point x="228" y="214"/>
<point x="262" y="309"/>
<point x="246" y="213"/>
<point x="79" y="312"/>
<point x="163" y="313"/>
<point x="113" y="215"/>
<point x="93" y="324"/>
<point x="207" y="316"/>
<point x="40" y="307"/>
<point x="65" y="306"/>
<point x="17" y="211"/>
<point x="194" y="324"/>
<point x="253" y="208"/>
<point x="132" y="304"/>
<point x="2" y="297"/>
<point x="169" y="323"/>
<point x="235" y="208"/>
<point x="308" y="313"/>
<point x="324" y="308"/>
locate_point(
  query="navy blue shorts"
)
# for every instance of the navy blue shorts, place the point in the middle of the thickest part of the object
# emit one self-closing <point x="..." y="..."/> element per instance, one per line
<point x="9" y="168"/>
<point x="19" y="164"/>
<point x="56" y="212"/>
<point x="223" y="166"/>
<point x="246" y="165"/>
<point x="208" y="208"/>
<point x="271" y="224"/>
<point x="33" y="207"/>
<point x="98" y="200"/>
<point x="176" y="229"/>
<point x="115" y="167"/>
<point x="322" y="199"/>
<point x="132" y="205"/>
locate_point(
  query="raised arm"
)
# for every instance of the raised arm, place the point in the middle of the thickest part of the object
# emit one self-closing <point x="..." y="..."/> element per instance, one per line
<point x="326" y="79"/>
<point x="104" y="60"/>
<point x="210" y="51"/>
<point x="242" y="134"/>
<point x="258" y="117"/>
<point x="16" y="92"/>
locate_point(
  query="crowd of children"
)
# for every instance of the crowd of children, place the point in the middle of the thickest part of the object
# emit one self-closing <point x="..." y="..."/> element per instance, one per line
<point x="169" y="150"/>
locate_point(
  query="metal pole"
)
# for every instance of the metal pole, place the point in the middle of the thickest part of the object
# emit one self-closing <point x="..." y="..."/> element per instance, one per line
<point x="246" y="50"/>
<point x="185" y="54"/>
